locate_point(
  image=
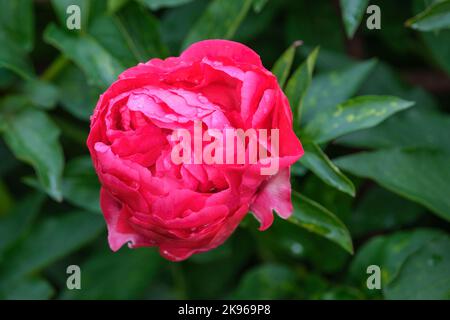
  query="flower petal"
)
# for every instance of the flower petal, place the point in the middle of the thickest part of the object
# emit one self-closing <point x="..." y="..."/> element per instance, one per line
<point x="274" y="195"/>
<point x="222" y="48"/>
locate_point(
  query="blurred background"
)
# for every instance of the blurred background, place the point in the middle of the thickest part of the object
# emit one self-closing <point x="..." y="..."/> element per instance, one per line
<point x="376" y="192"/>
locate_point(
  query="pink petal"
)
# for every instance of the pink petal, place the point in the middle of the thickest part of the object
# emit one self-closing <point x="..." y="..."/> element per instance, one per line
<point x="116" y="217"/>
<point x="275" y="195"/>
<point x="221" y="48"/>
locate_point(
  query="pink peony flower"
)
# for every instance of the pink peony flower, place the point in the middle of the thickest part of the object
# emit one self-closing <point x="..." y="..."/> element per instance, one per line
<point x="184" y="208"/>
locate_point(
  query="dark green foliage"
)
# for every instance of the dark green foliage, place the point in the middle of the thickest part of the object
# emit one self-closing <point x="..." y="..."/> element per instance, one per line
<point x="370" y="106"/>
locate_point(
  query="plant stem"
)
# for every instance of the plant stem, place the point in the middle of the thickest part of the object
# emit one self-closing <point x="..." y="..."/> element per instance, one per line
<point x="55" y="68"/>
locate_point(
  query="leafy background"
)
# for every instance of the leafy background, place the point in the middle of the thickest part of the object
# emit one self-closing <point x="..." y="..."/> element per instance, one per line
<point x="373" y="101"/>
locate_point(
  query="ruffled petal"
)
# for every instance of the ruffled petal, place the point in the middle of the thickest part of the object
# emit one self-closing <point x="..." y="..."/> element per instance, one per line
<point x="275" y="194"/>
<point x="221" y="48"/>
<point x="116" y="217"/>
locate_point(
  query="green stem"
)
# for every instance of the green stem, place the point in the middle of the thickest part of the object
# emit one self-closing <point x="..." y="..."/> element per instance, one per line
<point x="55" y="68"/>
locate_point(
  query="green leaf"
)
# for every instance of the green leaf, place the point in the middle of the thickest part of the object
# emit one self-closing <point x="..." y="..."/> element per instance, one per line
<point x="16" y="36"/>
<point x="34" y="138"/>
<point x="141" y="31"/>
<point x="116" y="5"/>
<point x="80" y="184"/>
<point x="298" y="170"/>
<point x="258" y="5"/>
<point x="14" y="58"/>
<point x="298" y="85"/>
<point x="256" y="24"/>
<point x="110" y="33"/>
<point x="100" y="274"/>
<point x="315" y="218"/>
<point x="420" y="175"/>
<point x="389" y="253"/>
<point x="411" y="129"/>
<point x="219" y="21"/>
<point x="317" y="161"/>
<point x="176" y="23"/>
<point x="131" y="36"/>
<point x="435" y="17"/>
<point x="267" y="282"/>
<point x="71" y="81"/>
<point x="380" y="210"/>
<point x="97" y="63"/>
<point x="330" y="61"/>
<point x="286" y="241"/>
<point x="18" y="220"/>
<point x="328" y="90"/>
<point x="41" y="93"/>
<point x="159" y="4"/>
<point x="352" y="13"/>
<point x="424" y="274"/>
<point x="89" y="9"/>
<point x="17" y="23"/>
<point x="305" y="20"/>
<point x="338" y="292"/>
<point x="355" y="114"/>
<point x="328" y="196"/>
<point x="29" y="289"/>
<point x="282" y="66"/>
<point x="438" y="43"/>
<point x="7" y="78"/>
<point x="49" y="241"/>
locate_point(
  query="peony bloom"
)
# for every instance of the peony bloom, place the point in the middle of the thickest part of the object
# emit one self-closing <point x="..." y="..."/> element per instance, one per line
<point x="147" y="198"/>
